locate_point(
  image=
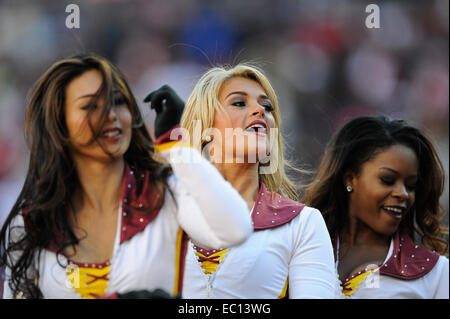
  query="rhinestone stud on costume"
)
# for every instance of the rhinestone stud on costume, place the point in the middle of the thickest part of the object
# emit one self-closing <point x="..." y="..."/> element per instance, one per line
<point x="124" y="213"/>
<point x="140" y="205"/>
<point x="412" y="256"/>
<point x="257" y="213"/>
<point x="273" y="221"/>
<point x="129" y="185"/>
<point x="124" y="229"/>
<point x="141" y="219"/>
<point x="428" y="259"/>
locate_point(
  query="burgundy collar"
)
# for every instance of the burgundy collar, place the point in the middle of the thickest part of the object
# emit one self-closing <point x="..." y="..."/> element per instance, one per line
<point x="268" y="213"/>
<point x="136" y="209"/>
<point x="408" y="261"/>
<point x="273" y="210"/>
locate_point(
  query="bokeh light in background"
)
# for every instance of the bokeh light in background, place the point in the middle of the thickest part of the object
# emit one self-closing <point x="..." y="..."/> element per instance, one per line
<point x="324" y="63"/>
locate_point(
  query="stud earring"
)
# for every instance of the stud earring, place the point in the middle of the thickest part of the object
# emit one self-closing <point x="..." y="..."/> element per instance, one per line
<point x="208" y="138"/>
<point x="349" y="189"/>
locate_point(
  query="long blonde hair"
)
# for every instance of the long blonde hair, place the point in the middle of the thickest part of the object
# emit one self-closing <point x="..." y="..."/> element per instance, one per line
<point x="204" y="102"/>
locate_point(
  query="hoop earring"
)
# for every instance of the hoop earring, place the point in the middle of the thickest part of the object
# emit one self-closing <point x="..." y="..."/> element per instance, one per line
<point x="349" y="189"/>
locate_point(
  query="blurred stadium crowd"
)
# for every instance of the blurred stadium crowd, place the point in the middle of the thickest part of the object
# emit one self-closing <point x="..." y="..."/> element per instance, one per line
<point x="324" y="63"/>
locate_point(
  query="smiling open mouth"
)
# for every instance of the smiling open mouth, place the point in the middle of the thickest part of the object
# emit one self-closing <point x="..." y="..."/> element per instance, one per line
<point x="257" y="127"/>
<point x="394" y="211"/>
<point x="112" y="134"/>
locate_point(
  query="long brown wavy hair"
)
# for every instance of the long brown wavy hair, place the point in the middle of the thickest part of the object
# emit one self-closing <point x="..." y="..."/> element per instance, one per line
<point x="51" y="178"/>
<point x="360" y="140"/>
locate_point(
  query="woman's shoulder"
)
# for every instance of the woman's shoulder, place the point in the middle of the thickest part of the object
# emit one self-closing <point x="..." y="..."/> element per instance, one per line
<point x="442" y="264"/>
<point x="273" y="210"/>
<point x="409" y="260"/>
<point x="311" y="219"/>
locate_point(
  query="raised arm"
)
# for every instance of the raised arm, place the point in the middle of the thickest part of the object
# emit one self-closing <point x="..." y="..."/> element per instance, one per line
<point x="209" y="209"/>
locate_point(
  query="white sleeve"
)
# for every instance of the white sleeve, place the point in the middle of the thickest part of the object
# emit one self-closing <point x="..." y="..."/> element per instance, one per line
<point x="438" y="279"/>
<point x="311" y="270"/>
<point x="209" y="210"/>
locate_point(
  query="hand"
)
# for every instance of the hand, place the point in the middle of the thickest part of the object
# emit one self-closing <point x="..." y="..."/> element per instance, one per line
<point x="145" y="294"/>
<point x="168" y="106"/>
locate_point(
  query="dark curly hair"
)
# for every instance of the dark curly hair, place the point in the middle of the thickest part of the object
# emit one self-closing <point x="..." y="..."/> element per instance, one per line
<point x="51" y="178"/>
<point x="360" y="140"/>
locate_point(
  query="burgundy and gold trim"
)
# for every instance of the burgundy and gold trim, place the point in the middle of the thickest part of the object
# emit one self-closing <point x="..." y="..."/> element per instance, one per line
<point x="180" y="257"/>
<point x="408" y="260"/>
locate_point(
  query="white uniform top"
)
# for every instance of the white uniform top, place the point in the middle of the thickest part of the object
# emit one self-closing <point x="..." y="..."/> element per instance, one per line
<point x="145" y="254"/>
<point x="299" y="248"/>
<point x="425" y="274"/>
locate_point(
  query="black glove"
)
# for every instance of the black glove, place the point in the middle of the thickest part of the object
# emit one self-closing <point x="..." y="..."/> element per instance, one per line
<point x="168" y="106"/>
<point x="145" y="294"/>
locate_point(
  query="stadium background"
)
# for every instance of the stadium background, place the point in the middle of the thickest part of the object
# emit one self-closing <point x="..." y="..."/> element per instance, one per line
<point x="324" y="63"/>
